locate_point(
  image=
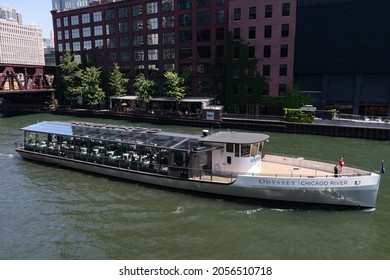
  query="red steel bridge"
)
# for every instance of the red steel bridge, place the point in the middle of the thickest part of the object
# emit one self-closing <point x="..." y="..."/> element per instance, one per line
<point x="26" y="88"/>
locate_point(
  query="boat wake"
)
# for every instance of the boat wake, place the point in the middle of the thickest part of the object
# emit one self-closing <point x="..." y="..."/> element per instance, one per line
<point x="6" y="155"/>
<point x="178" y="210"/>
<point x="369" y="209"/>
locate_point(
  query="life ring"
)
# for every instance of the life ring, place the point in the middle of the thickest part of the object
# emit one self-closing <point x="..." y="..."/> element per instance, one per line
<point x="217" y="167"/>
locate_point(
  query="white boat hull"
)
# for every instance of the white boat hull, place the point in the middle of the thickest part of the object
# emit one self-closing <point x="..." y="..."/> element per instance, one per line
<point x="357" y="191"/>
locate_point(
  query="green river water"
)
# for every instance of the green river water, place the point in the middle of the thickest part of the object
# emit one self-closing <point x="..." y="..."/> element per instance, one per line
<point x="53" y="213"/>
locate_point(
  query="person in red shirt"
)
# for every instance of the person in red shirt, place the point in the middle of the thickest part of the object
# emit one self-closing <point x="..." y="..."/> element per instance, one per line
<point x="341" y="163"/>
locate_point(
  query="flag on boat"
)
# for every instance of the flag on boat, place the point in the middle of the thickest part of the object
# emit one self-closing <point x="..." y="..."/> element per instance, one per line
<point x="383" y="170"/>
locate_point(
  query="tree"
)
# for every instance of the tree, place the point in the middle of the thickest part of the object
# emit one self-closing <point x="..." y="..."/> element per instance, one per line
<point x="144" y="88"/>
<point x="174" y="86"/>
<point x="69" y="73"/>
<point x="117" y="82"/>
<point x="89" y="87"/>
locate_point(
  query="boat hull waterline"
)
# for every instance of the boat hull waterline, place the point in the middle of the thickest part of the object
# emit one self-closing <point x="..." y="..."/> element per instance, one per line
<point x="357" y="191"/>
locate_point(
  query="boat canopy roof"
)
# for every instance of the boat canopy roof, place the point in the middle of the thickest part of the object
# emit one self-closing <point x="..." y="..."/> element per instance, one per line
<point x="235" y="137"/>
<point x="144" y="136"/>
<point x="131" y="135"/>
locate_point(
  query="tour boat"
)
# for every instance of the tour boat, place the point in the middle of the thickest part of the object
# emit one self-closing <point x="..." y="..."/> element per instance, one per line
<point x="225" y="163"/>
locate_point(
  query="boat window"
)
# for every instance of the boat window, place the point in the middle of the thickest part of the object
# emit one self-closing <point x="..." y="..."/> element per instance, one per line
<point x="236" y="150"/>
<point x="229" y="160"/>
<point x="254" y="149"/>
<point x="245" y="149"/>
<point x="229" y="148"/>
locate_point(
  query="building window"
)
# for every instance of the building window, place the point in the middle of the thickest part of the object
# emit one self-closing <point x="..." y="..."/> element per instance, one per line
<point x="153" y="54"/>
<point x="60" y="47"/>
<point x="139" y="69"/>
<point x="204" y="52"/>
<point x="284" y="51"/>
<point x="58" y="22"/>
<point x="75" y="33"/>
<point x="268" y="11"/>
<point x="285" y="30"/>
<point x="285" y="9"/>
<point x="185" y="53"/>
<point x="266" y="70"/>
<point x="66" y="34"/>
<point x="237" y="14"/>
<point x="167" y="6"/>
<point x="67" y="46"/>
<point x="152" y="39"/>
<point x="138" y="25"/>
<point x="59" y="35"/>
<point x="113" y="56"/>
<point x="220" y="16"/>
<point x="204" y="18"/>
<point x="139" y="55"/>
<point x="185" y="20"/>
<point x="151" y="8"/>
<point x="168" y="38"/>
<point x="86" y="31"/>
<point x="152" y="23"/>
<point x="138" y="40"/>
<point x="87" y="45"/>
<point x="97" y="16"/>
<point x="266" y="89"/>
<point x="267" y="51"/>
<point x="85" y="18"/>
<point x="185" y="36"/>
<point x="220" y="33"/>
<point x="123" y="12"/>
<point x="136" y="10"/>
<point x="283" y="70"/>
<point x="204" y="35"/>
<point x="110" y="29"/>
<point x="184" y="4"/>
<point x="124" y="42"/>
<point x="203" y="3"/>
<point x="99" y="43"/>
<point x="168" y="54"/>
<point x="123" y="27"/>
<point x="251" y="52"/>
<point x="236" y="52"/>
<point x="110" y="15"/>
<point x="252" y="32"/>
<point x="74" y="20"/>
<point x="168" y="22"/>
<point x="251" y="71"/>
<point x="125" y="56"/>
<point x="65" y="19"/>
<point x="252" y="12"/>
<point x="111" y="43"/>
<point x="282" y="89"/>
<point x="267" y="31"/>
<point x="98" y="30"/>
<point x="169" y="67"/>
<point x="77" y="58"/>
<point x="219" y="51"/>
<point x="236" y="33"/>
<point x="76" y="46"/>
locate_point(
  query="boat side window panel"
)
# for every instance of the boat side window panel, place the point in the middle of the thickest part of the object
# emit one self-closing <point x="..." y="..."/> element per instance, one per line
<point x="254" y="149"/>
<point x="229" y="148"/>
<point x="236" y="150"/>
<point x="245" y="150"/>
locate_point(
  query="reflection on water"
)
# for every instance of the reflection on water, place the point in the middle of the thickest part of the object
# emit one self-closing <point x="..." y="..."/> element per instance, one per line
<point x="53" y="213"/>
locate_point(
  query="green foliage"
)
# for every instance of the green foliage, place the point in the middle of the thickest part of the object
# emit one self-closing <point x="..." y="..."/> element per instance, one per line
<point x="291" y="99"/>
<point x="117" y="82"/>
<point x="297" y="115"/>
<point x="69" y="73"/>
<point x="89" y="87"/>
<point x="144" y="88"/>
<point x="174" y="86"/>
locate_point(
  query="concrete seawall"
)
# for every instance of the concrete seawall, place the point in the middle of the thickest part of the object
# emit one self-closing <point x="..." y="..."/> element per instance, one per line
<point x="327" y="128"/>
